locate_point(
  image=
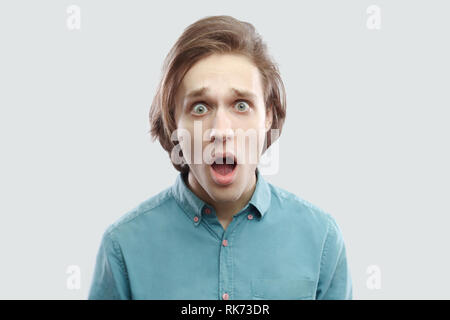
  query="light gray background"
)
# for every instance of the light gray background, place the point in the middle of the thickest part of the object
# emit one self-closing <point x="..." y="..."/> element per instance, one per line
<point x="366" y="136"/>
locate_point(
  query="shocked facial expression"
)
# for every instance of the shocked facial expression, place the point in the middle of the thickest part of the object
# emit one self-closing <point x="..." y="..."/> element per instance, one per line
<point x="221" y="121"/>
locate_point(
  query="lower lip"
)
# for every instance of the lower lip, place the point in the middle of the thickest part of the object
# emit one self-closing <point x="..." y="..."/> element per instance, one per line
<point x="221" y="179"/>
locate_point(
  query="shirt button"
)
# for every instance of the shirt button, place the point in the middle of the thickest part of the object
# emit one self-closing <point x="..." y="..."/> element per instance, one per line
<point x="225" y="296"/>
<point x="207" y="210"/>
<point x="195" y="219"/>
<point x="250" y="217"/>
<point x="225" y="242"/>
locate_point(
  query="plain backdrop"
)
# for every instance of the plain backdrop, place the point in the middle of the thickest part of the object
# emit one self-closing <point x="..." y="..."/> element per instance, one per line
<point x="366" y="136"/>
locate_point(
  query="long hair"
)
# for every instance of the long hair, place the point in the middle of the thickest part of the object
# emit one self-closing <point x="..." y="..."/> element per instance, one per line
<point x="221" y="35"/>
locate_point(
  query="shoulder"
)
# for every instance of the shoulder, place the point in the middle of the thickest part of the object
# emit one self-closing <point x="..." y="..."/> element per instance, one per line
<point x="308" y="216"/>
<point x="148" y="211"/>
<point x="296" y="207"/>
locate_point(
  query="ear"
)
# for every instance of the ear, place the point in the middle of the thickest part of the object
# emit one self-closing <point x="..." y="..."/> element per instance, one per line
<point x="269" y="118"/>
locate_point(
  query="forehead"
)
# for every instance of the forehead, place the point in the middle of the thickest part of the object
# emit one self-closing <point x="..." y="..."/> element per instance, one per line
<point x="221" y="73"/>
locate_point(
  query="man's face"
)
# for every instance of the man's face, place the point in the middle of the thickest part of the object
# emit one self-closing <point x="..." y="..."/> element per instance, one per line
<point x="221" y="122"/>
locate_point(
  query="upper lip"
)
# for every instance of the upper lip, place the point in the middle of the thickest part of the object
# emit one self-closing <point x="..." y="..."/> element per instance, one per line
<point x="225" y="155"/>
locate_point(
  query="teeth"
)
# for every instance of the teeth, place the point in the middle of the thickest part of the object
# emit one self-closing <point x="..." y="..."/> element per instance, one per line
<point x="225" y="161"/>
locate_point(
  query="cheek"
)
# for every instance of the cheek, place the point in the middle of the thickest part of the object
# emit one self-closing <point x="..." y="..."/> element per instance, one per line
<point x="185" y="139"/>
<point x="250" y="135"/>
<point x="249" y="144"/>
<point x="193" y="140"/>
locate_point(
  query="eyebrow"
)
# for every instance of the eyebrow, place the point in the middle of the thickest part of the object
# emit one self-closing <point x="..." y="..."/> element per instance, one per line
<point x="236" y="92"/>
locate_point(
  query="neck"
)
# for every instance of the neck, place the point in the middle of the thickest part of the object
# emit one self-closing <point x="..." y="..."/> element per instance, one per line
<point x="224" y="210"/>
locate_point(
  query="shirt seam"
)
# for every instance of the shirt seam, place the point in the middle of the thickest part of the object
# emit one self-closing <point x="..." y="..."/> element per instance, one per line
<point x="232" y="238"/>
<point x="119" y="254"/>
<point x="325" y="247"/>
<point x="285" y="195"/>
<point x="208" y="227"/>
<point x="161" y="202"/>
<point x="340" y="248"/>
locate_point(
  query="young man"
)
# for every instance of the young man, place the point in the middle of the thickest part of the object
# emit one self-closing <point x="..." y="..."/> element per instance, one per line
<point x="221" y="231"/>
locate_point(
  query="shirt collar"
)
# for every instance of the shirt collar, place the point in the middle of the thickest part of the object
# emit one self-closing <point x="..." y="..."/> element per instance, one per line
<point x="195" y="207"/>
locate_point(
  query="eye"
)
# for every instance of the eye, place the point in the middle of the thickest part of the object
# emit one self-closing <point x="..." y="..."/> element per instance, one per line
<point x="199" y="108"/>
<point x="242" y="106"/>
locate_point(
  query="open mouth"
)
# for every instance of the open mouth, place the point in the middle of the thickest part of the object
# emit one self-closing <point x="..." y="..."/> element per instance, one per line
<point x="224" y="166"/>
<point x="223" y="170"/>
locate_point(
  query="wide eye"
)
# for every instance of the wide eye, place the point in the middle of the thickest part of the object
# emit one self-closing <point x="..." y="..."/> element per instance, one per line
<point x="242" y="106"/>
<point x="199" y="109"/>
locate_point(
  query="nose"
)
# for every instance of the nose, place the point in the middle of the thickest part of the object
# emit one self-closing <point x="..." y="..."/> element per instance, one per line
<point x="222" y="126"/>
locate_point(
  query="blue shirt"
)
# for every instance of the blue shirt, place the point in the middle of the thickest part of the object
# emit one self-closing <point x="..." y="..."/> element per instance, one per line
<point x="172" y="246"/>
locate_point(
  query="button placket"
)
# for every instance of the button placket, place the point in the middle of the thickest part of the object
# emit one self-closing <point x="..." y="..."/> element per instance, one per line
<point x="225" y="272"/>
<point x="225" y="258"/>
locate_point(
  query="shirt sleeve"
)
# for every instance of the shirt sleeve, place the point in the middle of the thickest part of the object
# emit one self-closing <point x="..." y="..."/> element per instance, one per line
<point x="335" y="281"/>
<point x="110" y="279"/>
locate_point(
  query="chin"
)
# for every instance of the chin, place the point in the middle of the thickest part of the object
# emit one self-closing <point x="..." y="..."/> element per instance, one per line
<point x="221" y="195"/>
